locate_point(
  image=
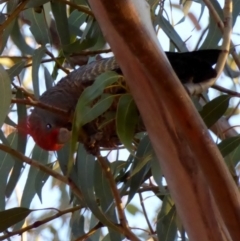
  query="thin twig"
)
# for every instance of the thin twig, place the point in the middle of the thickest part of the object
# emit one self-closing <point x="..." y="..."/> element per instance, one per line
<point x="39" y="223"/>
<point x="40" y="105"/>
<point x="57" y="62"/>
<point x="83" y="53"/>
<point x="225" y="90"/>
<point x="13" y="15"/>
<point x="90" y="232"/>
<point x="145" y="213"/>
<point x="118" y="201"/>
<point x="25" y="92"/>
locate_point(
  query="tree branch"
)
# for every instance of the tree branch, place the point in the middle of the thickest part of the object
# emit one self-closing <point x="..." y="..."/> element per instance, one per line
<point x="179" y="136"/>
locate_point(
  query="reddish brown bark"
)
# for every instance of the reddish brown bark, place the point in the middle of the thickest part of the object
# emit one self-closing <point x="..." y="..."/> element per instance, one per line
<point x="180" y="139"/>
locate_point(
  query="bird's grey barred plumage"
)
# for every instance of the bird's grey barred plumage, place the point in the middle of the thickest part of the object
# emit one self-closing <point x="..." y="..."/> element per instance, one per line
<point x="44" y="125"/>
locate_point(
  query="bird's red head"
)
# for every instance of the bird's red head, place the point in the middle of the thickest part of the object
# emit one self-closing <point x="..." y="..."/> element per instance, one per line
<point x="47" y="140"/>
<point x="46" y="135"/>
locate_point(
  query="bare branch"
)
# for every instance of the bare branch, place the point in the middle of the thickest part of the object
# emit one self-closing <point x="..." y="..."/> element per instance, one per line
<point x="145" y="213"/>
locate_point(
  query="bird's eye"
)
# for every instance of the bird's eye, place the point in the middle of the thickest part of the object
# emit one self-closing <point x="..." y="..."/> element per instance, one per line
<point x="49" y="126"/>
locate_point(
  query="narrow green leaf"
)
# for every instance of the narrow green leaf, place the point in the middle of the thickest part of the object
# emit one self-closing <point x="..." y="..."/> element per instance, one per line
<point x="33" y="179"/>
<point x="15" y="173"/>
<point x="75" y="21"/>
<point x="139" y="171"/>
<point x="157" y="172"/>
<point x="96" y="33"/>
<point x="95" y="236"/>
<point x="97" y="88"/>
<point x="6" y="164"/>
<point x="61" y="21"/>
<point x="78" y="46"/>
<point x="41" y="179"/>
<point x="61" y="60"/>
<point x="118" y="167"/>
<point x="77" y="225"/>
<point x="37" y="58"/>
<point x="102" y="188"/>
<point x="214" y="109"/>
<point x="5" y="94"/>
<point x="63" y="157"/>
<point x="38" y="26"/>
<point x="19" y="40"/>
<point x="48" y="78"/>
<point x="29" y="190"/>
<point x="106" y="199"/>
<point x="83" y="106"/>
<point x="99" y="108"/>
<point x="16" y="69"/>
<point x="170" y="32"/>
<point x="86" y="169"/>
<point x="141" y="163"/>
<point x="233" y="158"/>
<point x="88" y="28"/>
<point x="235" y="11"/>
<point x="21" y="146"/>
<point x="214" y="34"/>
<point x="166" y="225"/>
<point x="11" y="5"/>
<point x="228" y="145"/>
<point x="127" y="119"/>
<point x="12" y="216"/>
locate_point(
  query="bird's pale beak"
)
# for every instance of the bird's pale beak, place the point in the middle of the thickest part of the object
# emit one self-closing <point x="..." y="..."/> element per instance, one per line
<point x="64" y="136"/>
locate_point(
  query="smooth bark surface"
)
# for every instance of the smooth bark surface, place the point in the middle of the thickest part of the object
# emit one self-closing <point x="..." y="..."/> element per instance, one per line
<point x="180" y="139"/>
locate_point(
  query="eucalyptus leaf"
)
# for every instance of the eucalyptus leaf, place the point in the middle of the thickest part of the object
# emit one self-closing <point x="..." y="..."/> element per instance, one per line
<point x="5" y="94"/>
<point x="139" y="170"/>
<point x="6" y="164"/>
<point x="21" y="146"/>
<point x="214" y="34"/>
<point x="30" y="190"/>
<point x="38" y="26"/>
<point x="166" y="225"/>
<point x="228" y="145"/>
<point x="214" y="109"/>
<point x="99" y="108"/>
<point x="16" y="69"/>
<point x="126" y="120"/>
<point x="61" y="21"/>
<point x="12" y="216"/>
<point x="18" y="39"/>
<point x="37" y="58"/>
<point x="86" y="170"/>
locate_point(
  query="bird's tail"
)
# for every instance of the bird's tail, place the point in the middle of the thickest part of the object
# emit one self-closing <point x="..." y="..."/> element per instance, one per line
<point x="194" y="66"/>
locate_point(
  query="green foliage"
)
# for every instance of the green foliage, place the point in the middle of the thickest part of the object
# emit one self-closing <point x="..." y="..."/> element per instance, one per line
<point x="126" y="120"/>
<point x="12" y="216"/>
<point x="214" y="109"/>
<point x="36" y="45"/>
